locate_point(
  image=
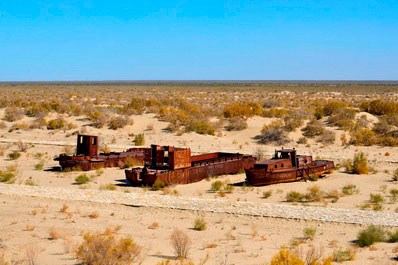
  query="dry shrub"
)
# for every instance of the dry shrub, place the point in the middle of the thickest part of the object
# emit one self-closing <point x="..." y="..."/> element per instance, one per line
<point x="12" y="114"/>
<point x="243" y="110"/>
<point x="99" y="119"/>
<point x="236" y="124"/>
<point x="327" y="137"/>
<point x="395" y="175"/>
<point x="93" y="215"/>
<point x="273" y="133"/>
<point x="103" y="249"/>
<point x="293" y="120"/>
<point x="64" y="208"/>
<point x="360" y="164"/>
<point x="118" y="122"/>
<point x="285" y="257"/>
<point x="3" y="149"/>
<point x="181" y="243"/>
<point x="55" y="234"/>
<point x="200" y="127"/>
<point x="32" y="253"/>
<point x="60" y="123"/>
<point x="29" y="227"/>
<point x="154" y="225"/>
<point x="364" y="137"/>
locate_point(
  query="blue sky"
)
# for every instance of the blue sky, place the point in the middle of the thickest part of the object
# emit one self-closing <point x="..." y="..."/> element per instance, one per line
<point x="198" y="40"/>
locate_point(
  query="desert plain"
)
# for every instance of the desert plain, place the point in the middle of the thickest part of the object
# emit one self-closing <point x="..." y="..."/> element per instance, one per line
<point x="231" y="118"/>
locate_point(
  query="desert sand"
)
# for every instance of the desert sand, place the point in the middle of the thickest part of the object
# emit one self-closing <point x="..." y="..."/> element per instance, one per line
<point x="27" y="221"/>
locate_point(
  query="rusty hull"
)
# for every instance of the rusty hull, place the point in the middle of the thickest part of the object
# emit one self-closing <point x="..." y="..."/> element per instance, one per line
<point x="286" y="166"/>
<point x="87" y="157"/>
<point x="202" y="166"/>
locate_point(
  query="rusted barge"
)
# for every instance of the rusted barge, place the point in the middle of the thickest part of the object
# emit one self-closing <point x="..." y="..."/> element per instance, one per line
<point x="87" y="157"/>
<point x="176" y="166"/>
<point x="286" y="166"/>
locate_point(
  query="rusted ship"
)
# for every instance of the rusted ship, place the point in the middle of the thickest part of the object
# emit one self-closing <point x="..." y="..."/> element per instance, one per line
<point x="87" y="157"/>
<point x="176" y="166"/>
<point x="286" y="166"/>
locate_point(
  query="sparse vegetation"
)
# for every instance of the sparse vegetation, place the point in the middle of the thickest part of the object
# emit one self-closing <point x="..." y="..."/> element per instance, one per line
<point x="350" y="189"/>
<point x="181" y="243"/>
<point x="117" y="122"/>
<point x="107" y="249"/>
<point x="158" y="184"/>
<point x="14" y="155"/>
<point x="267" y="194"/>
<point x="309" y="233"/>
<point x="82" y="179"/>
<point x="341" y="255"/>
<point x="200" y="224"/>
<point x="139" y="139"/>
<point x="371" y="235"/>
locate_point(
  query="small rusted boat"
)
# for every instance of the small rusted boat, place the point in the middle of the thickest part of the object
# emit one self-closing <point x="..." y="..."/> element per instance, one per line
<point x="87" y="157"/>
<point x="287" y="166"/>
<point x="176" y="166"/>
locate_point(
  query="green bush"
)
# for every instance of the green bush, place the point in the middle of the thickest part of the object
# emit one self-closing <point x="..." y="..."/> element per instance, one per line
<point x="371" y="235"/>
<point x="108" y="186"/>
<point x="350" y="189"/>
<point x="267" y="194"/>
<point x="130" y="162"/>
<point x="14" y="155"/>
<point x="216" y="186"/>
<point x="158" y="184"/>
<point x="309" y="233"/>
<point x="59" y="123"/>
<point x="343" y="255"/>
<point x="294" y="196"/>
<point x="376" y="198"/>
<point x="7" y="177"/>
<point x="200" y="224"/>
<point x="82" y="179"/>
<point x="139" y="139"/>
<point x="393" y="237"/>
<point x="39" y="166"/>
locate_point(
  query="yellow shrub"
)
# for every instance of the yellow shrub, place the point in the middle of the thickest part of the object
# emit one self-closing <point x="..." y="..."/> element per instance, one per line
<point x="105" y="249"/>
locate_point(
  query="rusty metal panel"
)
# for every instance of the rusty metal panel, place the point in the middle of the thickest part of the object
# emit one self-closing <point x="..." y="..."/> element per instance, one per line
<point x="179" y="159"/>
<point x="204" y="157"/>
<point x="87" y="145"/>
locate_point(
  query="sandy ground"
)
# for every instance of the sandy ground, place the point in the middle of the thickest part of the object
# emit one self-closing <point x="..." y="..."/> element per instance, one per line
<point x="244" y="249"/>
<point x="243" y="239"/>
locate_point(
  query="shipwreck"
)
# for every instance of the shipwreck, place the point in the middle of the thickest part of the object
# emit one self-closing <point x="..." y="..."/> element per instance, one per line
<point x="87" y="157"/>
<point x="286" y="166"/>
<point x="177" y="166"/>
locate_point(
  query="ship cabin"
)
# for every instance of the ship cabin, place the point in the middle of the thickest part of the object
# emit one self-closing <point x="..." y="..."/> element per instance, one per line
<point x="284" y="159"/>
